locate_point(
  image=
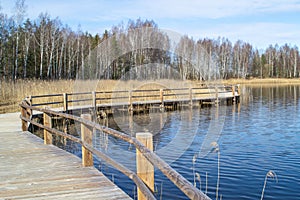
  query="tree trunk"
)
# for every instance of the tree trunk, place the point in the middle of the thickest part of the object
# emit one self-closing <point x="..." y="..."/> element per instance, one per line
<point x="295" y="63"/>
<point x="16" y="56"/>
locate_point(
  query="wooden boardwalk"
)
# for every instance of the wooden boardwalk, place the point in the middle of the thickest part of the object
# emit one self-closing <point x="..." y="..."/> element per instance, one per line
<point x="135" y="100"/>
<point x="31" y="170"/>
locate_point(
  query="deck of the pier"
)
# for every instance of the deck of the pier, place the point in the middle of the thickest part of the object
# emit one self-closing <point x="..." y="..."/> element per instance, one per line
<point x="31" y="170"/>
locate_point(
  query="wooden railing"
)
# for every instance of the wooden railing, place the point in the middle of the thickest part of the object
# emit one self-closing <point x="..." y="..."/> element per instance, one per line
<point x="68" y="101"/>
<point x="86" y="127"/>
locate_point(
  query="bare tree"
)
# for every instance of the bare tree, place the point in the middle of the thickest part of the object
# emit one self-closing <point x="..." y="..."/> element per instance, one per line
<point x="247" y="56"/>
<point x="294" y="59"/>
<point x="40" y="38"/>
<point x="237" y="59"/>
<point x="4" y="32"/>
<point x="20" y="11"/>
<point x="53" y="32"/>
<point x="224" y="56"/>
<point x="28" y="33"/>
<point x="63" y="38"/>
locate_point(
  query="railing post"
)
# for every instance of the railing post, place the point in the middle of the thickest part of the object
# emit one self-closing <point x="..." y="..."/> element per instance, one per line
<point x="217" y="95"/>
<point x="94" y="103"/>
<point x="233" y="93"/>
<point x="239" y="93"/>
<point x="161" y="97"/>
<point x="130" y="101"/>
<point x="191" y="96"/>
<point x="86" y="136"/>
<point x="30" y="104"/>
<point x="145" y="169"/>
<point x="47" y="122"/>
<point x="65" y="96"/>
<point x="24" y="123"/>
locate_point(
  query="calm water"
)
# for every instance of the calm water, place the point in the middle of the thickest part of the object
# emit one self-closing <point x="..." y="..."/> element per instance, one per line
<point x="262" y="133"/>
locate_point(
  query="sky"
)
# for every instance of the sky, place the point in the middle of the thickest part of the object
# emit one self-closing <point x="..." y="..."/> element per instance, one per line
<point x="259" y="22"/>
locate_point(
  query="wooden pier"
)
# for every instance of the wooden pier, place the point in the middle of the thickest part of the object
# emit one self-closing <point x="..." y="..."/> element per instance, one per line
<point x="31" y="170"/>
<point x="135" y="100"/>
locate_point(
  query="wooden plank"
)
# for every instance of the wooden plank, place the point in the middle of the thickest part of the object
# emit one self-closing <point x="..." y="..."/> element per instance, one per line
<point x="31" y="170"/>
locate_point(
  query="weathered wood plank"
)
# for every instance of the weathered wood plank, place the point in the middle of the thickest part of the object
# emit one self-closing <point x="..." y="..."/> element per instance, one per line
<point x="31" y="170"/>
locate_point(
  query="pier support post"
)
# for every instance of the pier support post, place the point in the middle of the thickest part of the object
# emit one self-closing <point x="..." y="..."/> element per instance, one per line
<point x="29" y="111"/>
<point x="86" y="136"/>
<point x="191" y="96"/>
<point x="233" y="93"/>
<point x="161" y="98"/>
<point x="65" y="98"/>
<point x="145" y="169"/>
<point x="47" y="122"/>
<point x="239" y="93"/>
<point x="130" y="108"/>
<point x="94" y="103"/>
<point x="217" y="95"/>
<point x="24" y="123"/>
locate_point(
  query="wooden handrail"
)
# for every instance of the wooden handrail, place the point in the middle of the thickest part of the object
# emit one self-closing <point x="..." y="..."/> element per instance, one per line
<point x="185" y="186"/>
<point x="45" y="95"/>
<point x="130" y="174"/>
<point x="95" y="97"/>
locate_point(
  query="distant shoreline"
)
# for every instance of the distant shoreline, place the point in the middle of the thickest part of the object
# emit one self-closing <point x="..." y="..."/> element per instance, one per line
<point x="263" y="81"/>
<point x="13" y="93"/>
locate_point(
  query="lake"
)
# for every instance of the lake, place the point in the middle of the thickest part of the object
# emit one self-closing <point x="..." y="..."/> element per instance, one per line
<point x="260" y="134"/>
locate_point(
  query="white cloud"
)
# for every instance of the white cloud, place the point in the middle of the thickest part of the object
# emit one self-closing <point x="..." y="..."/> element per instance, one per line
<point x="260" y="35"/>
<point x="172" y="9"/>
<point x="204" y="9"/>
<point x="97" y="15"/>
<point x="159" y="8"/>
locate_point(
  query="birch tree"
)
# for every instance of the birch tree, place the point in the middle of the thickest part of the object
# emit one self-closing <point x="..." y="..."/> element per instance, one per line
<point x="53" y="32"/>
<point x="295" y="59"/>
<point x="28" y="33"/>
<point x="20" y="11"/>
<point x="40" y="38"/>
<point x="4" y="33"/>
<point x="63" y="39"/>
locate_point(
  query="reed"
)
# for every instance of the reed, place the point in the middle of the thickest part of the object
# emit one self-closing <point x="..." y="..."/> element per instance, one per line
<point x="161" y="191"/>
<point x="194" y="161"/>
<point x="217" y="150"/>
<point x="206" y="182"/>
<point x="263" y="81"/>
<point x="199" y="179"/>
<point x="12" y="92"/>
<point x="271" y="174"/>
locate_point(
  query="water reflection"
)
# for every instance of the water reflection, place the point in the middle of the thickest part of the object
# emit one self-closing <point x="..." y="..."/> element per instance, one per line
<point x="269" y="93"/>
<point x="257" y="135"/>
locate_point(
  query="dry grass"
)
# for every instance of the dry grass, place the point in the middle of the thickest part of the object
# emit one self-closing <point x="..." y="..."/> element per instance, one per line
<point x="13" y="92"/>
<point x="265" y="81"/>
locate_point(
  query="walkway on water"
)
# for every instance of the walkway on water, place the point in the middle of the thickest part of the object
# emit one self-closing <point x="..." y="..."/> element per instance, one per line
<point x="31" y="170"/>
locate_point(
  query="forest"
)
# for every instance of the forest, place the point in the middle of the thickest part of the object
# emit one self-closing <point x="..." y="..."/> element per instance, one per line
<point x="46" y="49"/>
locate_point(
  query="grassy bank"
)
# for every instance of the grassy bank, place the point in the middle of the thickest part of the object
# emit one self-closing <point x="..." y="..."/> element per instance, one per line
<point x="272" y="81"/>
<point x="13" y="92"/>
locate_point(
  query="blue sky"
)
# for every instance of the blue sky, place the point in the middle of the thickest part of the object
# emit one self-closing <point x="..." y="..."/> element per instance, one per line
<point x="259" y="22"/>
